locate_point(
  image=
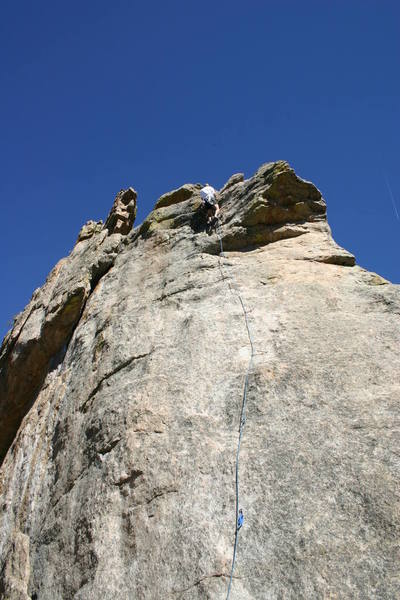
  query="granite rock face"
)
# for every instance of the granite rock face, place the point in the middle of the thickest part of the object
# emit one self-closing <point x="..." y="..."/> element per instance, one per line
<point x="120" y="394"/>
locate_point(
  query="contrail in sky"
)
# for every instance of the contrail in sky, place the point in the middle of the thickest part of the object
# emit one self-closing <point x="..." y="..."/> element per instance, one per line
<point x="392" y="197"/>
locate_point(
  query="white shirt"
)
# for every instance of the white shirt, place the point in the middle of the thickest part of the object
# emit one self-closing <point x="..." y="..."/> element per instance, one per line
<point x="207" y="193"/>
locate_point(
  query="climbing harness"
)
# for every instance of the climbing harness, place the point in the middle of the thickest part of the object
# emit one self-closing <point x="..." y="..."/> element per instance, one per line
<point x="244" y="402"/>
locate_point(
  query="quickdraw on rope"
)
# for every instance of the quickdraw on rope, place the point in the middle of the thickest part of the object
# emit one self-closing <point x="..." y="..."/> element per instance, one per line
<point x="243" y="408"/>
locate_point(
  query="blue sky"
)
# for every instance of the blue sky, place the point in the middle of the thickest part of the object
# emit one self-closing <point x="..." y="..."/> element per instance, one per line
<point x="96" y="96"/>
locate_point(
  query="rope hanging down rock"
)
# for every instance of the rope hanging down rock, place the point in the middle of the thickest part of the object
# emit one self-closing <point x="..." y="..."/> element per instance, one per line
<point x="243" y="408"/>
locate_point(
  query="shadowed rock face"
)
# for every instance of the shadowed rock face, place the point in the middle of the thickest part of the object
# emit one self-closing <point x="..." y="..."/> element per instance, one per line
<point x="120" y="395"/>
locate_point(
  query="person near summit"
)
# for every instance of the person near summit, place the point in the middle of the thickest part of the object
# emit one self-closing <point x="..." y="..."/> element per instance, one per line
<point x="240" y="519"/>
<point x="209" y="197"/>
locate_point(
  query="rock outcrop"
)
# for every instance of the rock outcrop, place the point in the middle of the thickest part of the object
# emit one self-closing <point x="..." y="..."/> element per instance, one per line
<point x="42" y="331"/>
<point x="123" y="212"/>
<point x="180" y="195"/>
<point x="120" y="394"/>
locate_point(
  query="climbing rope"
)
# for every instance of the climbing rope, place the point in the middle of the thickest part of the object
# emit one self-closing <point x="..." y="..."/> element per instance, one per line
<point x="243" y="408"/>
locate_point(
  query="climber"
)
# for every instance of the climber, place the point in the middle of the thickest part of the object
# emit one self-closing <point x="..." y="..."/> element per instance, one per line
<point x="240" y="519"/>
<point x="208" y="195"/>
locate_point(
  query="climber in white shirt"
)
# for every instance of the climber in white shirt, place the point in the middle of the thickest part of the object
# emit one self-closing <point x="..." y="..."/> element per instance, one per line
<point x="209" y="196"/>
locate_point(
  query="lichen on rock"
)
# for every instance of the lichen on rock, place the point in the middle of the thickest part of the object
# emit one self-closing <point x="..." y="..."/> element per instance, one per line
<point x="89" y="229"/>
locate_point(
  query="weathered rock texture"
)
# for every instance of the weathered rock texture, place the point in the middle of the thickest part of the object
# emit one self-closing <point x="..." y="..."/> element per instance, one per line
<point x="42" y="331"/>
<point x="123" y="212"/>
<point x="124" y="378"/>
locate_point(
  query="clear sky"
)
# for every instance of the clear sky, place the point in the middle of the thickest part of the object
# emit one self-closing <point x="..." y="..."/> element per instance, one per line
<point x="96" y="96"/>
